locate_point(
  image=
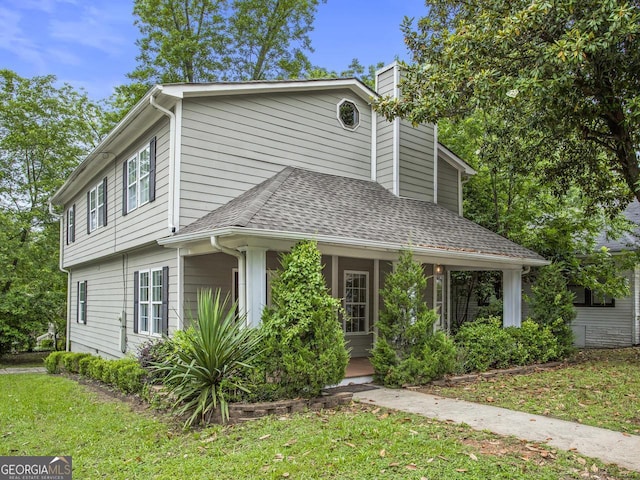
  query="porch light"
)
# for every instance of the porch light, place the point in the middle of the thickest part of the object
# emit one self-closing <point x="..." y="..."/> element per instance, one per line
<point x="438" y="269"/>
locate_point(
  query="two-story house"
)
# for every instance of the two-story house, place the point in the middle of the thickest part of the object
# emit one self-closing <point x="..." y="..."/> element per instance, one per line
<point x="202" y="185"/>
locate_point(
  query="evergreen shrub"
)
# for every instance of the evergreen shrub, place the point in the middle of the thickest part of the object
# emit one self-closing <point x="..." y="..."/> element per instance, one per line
<point x="304" y="343"/>
<point x="551" y="305"/>
<point x="407" y="350"/>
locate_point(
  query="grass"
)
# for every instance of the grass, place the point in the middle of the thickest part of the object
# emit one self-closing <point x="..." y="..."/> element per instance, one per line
<point x="53" y="415"/>
<point x="601" y="388"/>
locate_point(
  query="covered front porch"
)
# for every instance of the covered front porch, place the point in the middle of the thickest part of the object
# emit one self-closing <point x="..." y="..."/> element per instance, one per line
<point x="242" y="266"/>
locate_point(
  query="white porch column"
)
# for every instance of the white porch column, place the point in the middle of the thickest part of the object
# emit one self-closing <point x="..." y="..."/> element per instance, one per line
<point x="512" y="298"/>
<point x="256" y="264"/>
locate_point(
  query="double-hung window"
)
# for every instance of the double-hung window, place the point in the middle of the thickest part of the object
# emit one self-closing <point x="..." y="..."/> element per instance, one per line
<point x="82" y="302"/>
<point x="151" y="301"/>
<point x="71" y="224"/>
<point x="139" y="178"/>
<point x="97" y="206"/>
<point x="356" y="302"/>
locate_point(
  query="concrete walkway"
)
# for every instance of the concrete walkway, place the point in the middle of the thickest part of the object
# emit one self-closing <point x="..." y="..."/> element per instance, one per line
<point x="6" y="371"/>
<point x="606" y="445"/>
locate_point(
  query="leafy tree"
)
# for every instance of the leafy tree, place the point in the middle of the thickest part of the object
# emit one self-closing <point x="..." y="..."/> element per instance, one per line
<point x="44" y="131"/>
<point x="181" y="40"/>
<point x="407" y="350"/>
<point x="304" y="343"/>
<point x="214" y="40"/>
<point x="269" y="38"/>
<point x="572" y="70"/>
<point x="551" y="305"/>
<point x="355" y="69"/>
<point x="513" y="195"/>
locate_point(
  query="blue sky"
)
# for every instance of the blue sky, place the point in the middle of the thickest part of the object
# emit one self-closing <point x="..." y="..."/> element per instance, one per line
<point x="91" y="43"/>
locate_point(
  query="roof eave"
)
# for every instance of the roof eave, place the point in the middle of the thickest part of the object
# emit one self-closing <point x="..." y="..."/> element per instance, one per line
<point x="99" y="150"/>
<point x="217" y="89"/>
<point x="184" y="239"/>
<point x="455" y="161"/>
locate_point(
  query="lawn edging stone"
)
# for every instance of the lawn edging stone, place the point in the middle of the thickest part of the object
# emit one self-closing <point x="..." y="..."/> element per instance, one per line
<point x="242" y="412"/>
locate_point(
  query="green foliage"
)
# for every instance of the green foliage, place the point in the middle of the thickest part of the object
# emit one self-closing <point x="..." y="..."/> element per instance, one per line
<point x="210" y="360"/>
<point x="304" y="343"/>
<point x="124" y="374"/>
<point x="71" y="360"/>
<point x="41" y="407"/>
<point x="485" y="345"/>
<point x="570" y="73"/>
<point x="551" y="305"/>
<point x="44" y="131"/>
<point x="407" y="350"/>
<point x="366" y="75"/>
<point x="53" y="362"/>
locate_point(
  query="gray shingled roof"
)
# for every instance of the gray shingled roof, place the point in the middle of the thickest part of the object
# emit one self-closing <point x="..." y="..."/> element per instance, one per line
<point x="312" y="203"/>
<point x="628" y="241"/>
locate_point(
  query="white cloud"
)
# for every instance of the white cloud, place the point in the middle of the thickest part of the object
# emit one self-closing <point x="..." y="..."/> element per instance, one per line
<point x="95" y="28"/>
<point x="14" y="40"/>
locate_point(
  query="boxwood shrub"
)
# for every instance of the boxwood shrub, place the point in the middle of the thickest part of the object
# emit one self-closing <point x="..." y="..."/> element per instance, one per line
<point x="124" y="374"/>
<point x="485" y="345"/>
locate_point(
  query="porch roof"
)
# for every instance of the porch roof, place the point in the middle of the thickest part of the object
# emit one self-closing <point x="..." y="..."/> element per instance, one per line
<point x="319" y="205"/>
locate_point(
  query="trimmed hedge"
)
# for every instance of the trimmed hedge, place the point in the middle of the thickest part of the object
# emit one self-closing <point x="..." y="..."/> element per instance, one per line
<point x="485" y="345"/>
<point x="126" y="374"/>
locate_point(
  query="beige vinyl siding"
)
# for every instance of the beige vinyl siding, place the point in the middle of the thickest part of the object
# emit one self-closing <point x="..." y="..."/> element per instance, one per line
<point x="605" y="327"/>
<point x="101" y="334"/>
<point x="109" y="291"/>
<point x="230" y="144"/>
<point x="384" y="153"/>
<point x="416" y="161"/>
<point x="386" y="82"/>
<point x="141" y="226"/>
<point x="213" y="271"/>
<point x="384" y="134"/>
<point x="448" y="187"/>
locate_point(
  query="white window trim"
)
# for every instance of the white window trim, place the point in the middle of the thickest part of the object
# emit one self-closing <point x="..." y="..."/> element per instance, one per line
<point x="138" y="181"/>
<point x="358" y="115"/>
<point x="82" y="318"/>
<point x="366" y="307"/>
<point x="150" y="302"/>
<point x="71" y="224"/>
<point x="98" y="221"/>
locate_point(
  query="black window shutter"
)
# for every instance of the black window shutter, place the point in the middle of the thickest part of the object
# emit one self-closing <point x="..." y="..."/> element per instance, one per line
<point x="86" y="301"/>
<point x="104" y="198"/>
<point x="89" y="212"/>
<point x="73" y="226"/>
<point x="136" y="301"/>
<point x="152" y="169"/>
<point x="125" y="184"/>
<point x="78" y="303"/>
<point x="165" y="301"/>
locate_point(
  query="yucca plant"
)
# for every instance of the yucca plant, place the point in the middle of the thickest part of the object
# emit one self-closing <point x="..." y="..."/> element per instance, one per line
<point x="210" y="360"/>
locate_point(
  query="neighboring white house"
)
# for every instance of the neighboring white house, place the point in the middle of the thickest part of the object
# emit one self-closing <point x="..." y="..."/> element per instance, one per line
<point x="603" y="321"/>
<point x="202" y="185"/>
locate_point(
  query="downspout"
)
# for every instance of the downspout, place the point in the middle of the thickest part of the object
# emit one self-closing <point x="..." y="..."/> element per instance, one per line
<point x="242" y="282"/>
<point x="61" y="268"/>
<point x="172" y="146"/>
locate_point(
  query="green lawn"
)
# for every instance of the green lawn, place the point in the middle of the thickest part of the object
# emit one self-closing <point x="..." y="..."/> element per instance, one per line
<point x="54" y="415"/>
<point x="602" y="389"/>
